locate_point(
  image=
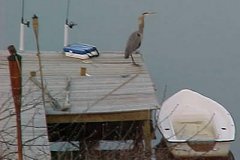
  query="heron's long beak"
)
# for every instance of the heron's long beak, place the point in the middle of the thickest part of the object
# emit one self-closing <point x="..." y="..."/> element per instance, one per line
<point x="149" y="13"/>
<point x="152" y="13"/>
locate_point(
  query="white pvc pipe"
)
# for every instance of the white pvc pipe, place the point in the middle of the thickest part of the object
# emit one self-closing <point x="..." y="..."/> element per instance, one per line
<point x="66" y="28"/>
<point x="21" y="40"/>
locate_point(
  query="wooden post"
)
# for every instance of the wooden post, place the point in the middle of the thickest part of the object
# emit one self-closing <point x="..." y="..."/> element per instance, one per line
<point x="83" y="71"/>
<point x="147" y="135"/>
<point x="16" y="82"/>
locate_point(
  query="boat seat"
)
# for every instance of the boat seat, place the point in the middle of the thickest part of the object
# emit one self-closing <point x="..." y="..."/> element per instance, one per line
<point x="193" y="127"/>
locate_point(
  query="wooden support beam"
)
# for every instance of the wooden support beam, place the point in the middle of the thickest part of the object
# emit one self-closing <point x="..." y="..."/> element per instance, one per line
<point x="100" y="117"/>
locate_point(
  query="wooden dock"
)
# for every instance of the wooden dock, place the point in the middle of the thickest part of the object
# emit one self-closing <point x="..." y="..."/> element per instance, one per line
<point x="113" y="91"/>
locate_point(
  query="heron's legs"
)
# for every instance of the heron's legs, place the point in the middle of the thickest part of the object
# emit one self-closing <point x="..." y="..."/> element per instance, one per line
<point x="137" y="52"/>
<point x="134" y="63"/>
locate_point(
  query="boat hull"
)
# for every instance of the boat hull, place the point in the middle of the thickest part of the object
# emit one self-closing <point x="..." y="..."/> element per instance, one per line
<point x="194" y="125"/>
<point x="211" y="149"/>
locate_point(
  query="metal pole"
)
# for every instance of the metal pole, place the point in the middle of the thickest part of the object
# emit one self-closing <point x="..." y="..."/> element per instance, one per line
<point x="35" y="29"/>
<point x="21" y="40"/>
<point x="15" y="70"/>
<point x="66" y="27"/>
<point x="22" y="25"/>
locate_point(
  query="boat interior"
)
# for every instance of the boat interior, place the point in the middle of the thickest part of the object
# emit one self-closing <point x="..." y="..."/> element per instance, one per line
<point x="194" y="128"/>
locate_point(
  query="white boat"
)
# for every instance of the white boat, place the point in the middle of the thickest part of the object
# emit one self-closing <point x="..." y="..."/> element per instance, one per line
<point x="194" y="125"/>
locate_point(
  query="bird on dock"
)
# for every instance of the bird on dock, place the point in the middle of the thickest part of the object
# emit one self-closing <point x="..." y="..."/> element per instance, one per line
<point x="135" y="39"/>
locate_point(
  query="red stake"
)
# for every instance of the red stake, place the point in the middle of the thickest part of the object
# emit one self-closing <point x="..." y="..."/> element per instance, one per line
<point x="15" y="69"/>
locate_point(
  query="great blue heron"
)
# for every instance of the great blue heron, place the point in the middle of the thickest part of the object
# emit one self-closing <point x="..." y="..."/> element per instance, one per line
<point x="135" y="39"/>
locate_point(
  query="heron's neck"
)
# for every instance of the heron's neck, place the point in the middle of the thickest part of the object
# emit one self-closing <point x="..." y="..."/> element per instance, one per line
<point x="141" y="24"/>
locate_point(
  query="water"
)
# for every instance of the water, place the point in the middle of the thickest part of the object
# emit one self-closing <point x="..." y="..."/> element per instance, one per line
<point x="188" y="44"/>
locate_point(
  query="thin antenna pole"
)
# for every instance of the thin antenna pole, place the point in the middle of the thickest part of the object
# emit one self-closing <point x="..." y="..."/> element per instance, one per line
<point x="22" y="11"/>
<point x="35" y="29"/>
<point x="67" y="14"/>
